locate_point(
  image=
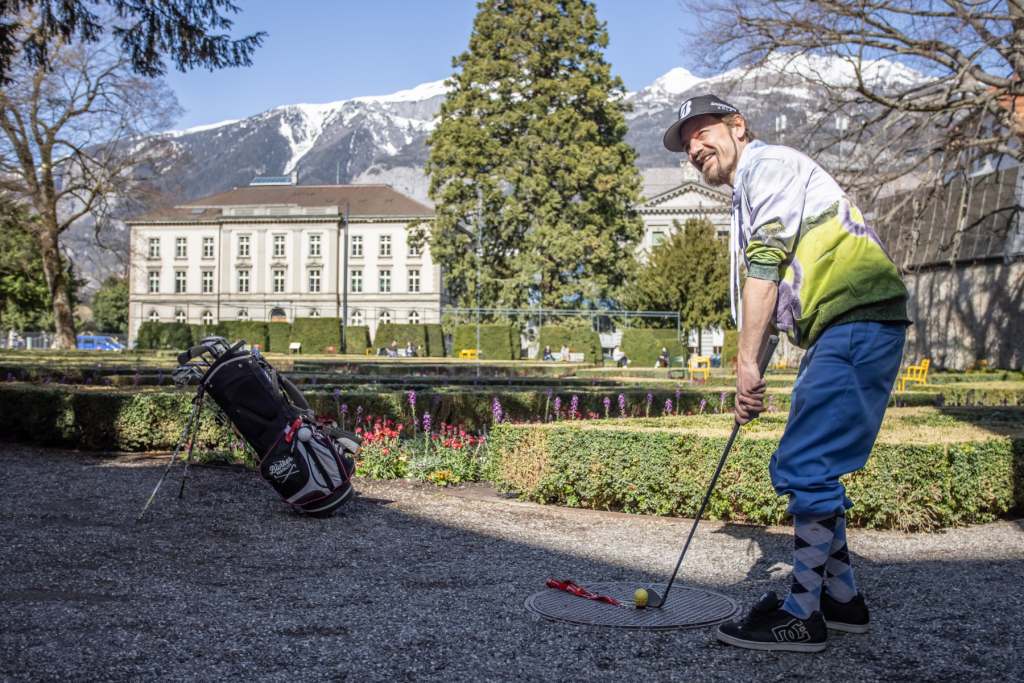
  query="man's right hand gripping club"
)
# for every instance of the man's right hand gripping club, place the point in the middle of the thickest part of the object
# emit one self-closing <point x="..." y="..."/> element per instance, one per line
<point x="758" y="309"/>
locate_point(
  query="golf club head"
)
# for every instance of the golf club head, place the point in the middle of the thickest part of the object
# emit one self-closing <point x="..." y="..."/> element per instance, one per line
<point x="654" y="598"/>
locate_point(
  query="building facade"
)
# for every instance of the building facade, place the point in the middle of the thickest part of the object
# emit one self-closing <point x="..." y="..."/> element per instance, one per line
<point x="277" y="251"/>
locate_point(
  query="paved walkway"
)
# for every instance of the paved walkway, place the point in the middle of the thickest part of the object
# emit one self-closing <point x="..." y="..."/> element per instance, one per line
<point x="417" y="584"/>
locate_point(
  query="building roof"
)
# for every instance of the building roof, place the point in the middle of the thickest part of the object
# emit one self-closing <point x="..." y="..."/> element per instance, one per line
<point x="292" y="200"/>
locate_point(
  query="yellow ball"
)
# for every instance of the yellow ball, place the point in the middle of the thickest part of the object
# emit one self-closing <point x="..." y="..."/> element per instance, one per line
<point x="640" y="598"/>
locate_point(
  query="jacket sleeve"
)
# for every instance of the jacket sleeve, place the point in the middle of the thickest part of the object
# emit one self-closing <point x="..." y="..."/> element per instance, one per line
<point x="776" y="199"/>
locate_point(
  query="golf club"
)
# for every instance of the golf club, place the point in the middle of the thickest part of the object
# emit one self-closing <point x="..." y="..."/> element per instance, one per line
<point x="653" y="599"/>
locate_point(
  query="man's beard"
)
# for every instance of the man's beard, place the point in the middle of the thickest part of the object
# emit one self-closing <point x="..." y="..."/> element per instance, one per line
<point x="717" y="175"/>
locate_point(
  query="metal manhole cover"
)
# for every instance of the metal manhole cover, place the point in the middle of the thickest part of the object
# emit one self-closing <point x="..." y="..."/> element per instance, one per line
<point x="686" y="607"/>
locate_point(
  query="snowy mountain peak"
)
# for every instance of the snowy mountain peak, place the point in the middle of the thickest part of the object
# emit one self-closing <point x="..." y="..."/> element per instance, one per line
<point x="423" y="91"/>
<point x="676" y="81"/>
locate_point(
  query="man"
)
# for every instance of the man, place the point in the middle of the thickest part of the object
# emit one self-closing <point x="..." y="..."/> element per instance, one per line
<point x="816" y="271"/>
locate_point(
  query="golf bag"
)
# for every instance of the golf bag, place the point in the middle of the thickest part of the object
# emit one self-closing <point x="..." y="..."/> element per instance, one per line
<point x="309" y="465"/>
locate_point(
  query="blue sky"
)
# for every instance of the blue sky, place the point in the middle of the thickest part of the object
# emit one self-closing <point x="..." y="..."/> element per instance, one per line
<point x="326" y="50"/>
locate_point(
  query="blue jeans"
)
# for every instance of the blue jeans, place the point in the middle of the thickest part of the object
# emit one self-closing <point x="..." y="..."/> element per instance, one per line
<point x="836" y="410"/>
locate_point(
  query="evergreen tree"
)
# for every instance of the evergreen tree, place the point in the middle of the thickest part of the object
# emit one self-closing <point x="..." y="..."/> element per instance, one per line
<point x="24" y="296"/>
<point x="531" y="143"/>
<point x="110" y="306"/>
<point x="688" y="273"/>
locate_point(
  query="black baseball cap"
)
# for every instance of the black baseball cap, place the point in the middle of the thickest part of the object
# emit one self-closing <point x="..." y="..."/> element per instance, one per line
<point x="692" y="108"/>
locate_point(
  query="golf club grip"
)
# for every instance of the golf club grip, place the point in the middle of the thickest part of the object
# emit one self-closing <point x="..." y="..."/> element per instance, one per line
<point x="766" y="353"/>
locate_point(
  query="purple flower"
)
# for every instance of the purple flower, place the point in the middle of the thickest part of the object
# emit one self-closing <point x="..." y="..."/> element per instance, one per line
<point x="344" y="409"/>
<point x="412" y="399"/>
<point x="647" y="404"/>
<point x="668" y="406"/>
<point x="721" y="402"/>
<point x="337" y="394"/>
<point x="622" y="405"/>
<point x="359" y="413"/>
<point x="574" y="406"/>
<point x="496" y="411"/>
<point x="558" y="405"/>
<point x="607" y="406"/>
<point x="426" y="423"/>
<point x="703" y="404"/>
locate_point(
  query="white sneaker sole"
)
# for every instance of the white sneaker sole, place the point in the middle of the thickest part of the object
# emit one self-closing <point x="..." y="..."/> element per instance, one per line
<point x="848" y="628"/>
<point x="773" y="647"/>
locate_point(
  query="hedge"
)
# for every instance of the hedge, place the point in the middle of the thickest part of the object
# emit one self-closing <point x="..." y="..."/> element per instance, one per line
<point x="278" y="337"/>
<point x="643" y="346"/>
<point x="435" y="340"/>
<point x="156" y="335"/>
<point x="928" y="470"/>
<point x="579" y="340"/>
<point x="317" y="335"/>
<point x="401" y="333"/>
<point x="497" y="342"/>
<point x="251" y="331"/>
<point x="357" y="339"/>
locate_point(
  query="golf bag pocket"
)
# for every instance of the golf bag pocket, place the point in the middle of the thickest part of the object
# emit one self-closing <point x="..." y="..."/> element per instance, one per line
<point x="309" y="471"/>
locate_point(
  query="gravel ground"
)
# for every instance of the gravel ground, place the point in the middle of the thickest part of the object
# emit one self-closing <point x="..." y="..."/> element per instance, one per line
<point x="413" y="583"/>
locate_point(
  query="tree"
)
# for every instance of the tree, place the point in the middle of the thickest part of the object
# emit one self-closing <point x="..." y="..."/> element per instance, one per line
<point x="688" y="273"/>
<point x="24" y="300"/>
<point x="530" y="149"/>
<point x="70" y="139"/>
<point x="965" y="104"/>
<point x="188" y="31"/>
<point x="110" y="306"/>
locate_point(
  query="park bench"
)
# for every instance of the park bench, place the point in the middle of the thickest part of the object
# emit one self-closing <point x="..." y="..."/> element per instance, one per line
<point x="699" y="365"/>
<point x="914" y="373"/>
<point x="469" y="354"/>
<point x="294" y="347"/>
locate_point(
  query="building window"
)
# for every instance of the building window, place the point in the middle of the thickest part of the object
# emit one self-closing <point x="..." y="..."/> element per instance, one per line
<point x="356" y="284"/>
<point x="154" y="317"/>
<point x="243" y="246"/>
<point x="314" y="313"/>
<point x="243" y="313"/>
<point x="180" y="247"/>
<point x="414" y="317"/>
<point x="279" y="246"/>
<point x="356" y="318"/>
<point x="154" y="282"/>
<point x="243" y="282"/>
<point x="207" y="247"/>
<point x="314" y="280"/>
<point x="414" y="280"/>
<point x="278" y="281"/>
<point x="207" y="282"/>
<point x="207" y="318"/>
<point x="179" y="281"/>
<point x="384" y="317"/>
<point x="314" y="246"/>
<point x="154" y="247"/>
<point x="357" y="245"/>
<point x="384" y="281"/>
<point x="657" y="237"/>
<point x="385" y="245"/>
<point x="179" y="316"/>
<point x="414" y="250"/>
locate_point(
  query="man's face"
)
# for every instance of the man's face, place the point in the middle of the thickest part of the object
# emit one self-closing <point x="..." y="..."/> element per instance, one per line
<point x="713" y="147"/>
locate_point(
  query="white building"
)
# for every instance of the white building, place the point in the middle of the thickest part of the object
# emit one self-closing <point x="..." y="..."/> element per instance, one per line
<point x="275" y="251"/>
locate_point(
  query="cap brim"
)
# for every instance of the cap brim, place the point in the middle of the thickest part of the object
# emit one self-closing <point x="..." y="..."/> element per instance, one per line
<point x="672" y="140"/>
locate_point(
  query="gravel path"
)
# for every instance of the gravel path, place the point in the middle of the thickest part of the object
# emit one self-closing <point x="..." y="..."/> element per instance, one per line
<point x="413" y="583"/>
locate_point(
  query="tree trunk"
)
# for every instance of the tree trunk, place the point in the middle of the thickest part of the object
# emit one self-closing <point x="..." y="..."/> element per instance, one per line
<point x="57" y="282"/>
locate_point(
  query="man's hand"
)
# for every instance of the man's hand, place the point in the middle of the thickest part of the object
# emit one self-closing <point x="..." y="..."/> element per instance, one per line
<point x="750" y="388"/>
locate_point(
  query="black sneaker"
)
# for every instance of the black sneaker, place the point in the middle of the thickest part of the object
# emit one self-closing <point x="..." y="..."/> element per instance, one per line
<point x="769" y="627"/>
<point x="851" y="617"/>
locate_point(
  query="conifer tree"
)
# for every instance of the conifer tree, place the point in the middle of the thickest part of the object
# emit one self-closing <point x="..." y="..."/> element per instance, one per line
<point x="532" y="135"/>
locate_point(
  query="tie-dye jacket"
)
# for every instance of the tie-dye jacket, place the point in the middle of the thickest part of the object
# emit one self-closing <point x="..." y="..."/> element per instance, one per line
<point x="792" y="224"/>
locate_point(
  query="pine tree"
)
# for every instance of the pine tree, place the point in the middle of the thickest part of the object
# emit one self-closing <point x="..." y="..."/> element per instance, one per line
<point x="530" y="149"/>
<point x="688" y="273"/>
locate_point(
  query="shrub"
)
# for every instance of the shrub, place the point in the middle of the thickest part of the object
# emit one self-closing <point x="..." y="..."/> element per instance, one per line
<point x="278" y="335"/>
<point x="579" y="340"/>
<point x="497" y="341"/>
<point x="435" y="340"/>
<point x="449" y="456"/>
<point x="357" y="339"/>
<point x="383" y="455"/>
<point x="253" y="332"/>
<point x="403" y="334"/>
<point x="174" y="336"/>
<point x="643" y="346"/>
<point x="317" y="335"/>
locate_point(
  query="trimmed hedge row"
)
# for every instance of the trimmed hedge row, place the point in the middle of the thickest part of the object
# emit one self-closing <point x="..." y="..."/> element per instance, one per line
<point x="579" y="340"/>
<point x="947" y="475"/>
<point x="401" y="333"/>
<point x="435" y="340"/>
<point x="497" y="341"/>
<point x="357" y="339"/>
<point x="643" y="346"/>
<point x="317" y="335"/>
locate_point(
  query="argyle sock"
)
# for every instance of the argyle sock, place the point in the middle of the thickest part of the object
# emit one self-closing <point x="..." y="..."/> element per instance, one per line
<point x="812" y="540"/>
<point x="839" y="583"/>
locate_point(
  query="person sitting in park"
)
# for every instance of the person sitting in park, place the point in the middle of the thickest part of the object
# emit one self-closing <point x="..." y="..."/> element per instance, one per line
<point x="563" y="355"/>
<point x="547" y="353"/>
<point x="409" y="350"/>
<point x="663" y="359"/>
<point x="393" y="349"/>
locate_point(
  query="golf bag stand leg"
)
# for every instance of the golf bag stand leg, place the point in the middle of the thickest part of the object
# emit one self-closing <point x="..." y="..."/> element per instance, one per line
<point x="186" y="433"/>
<point x="200" y="395"/>
<point x="659" y="601"/>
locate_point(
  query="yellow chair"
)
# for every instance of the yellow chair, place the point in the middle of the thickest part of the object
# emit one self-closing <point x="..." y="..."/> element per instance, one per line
<point x="699" y="365"/>
<point x="914" y="373"/>
<point x="468" y="354"/>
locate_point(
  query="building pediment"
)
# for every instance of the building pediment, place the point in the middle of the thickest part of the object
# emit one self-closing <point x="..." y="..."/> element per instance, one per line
<point x="688" y="197"/>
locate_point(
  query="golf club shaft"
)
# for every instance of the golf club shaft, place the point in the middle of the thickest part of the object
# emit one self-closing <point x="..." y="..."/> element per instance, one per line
<point x="766" y="355"/>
